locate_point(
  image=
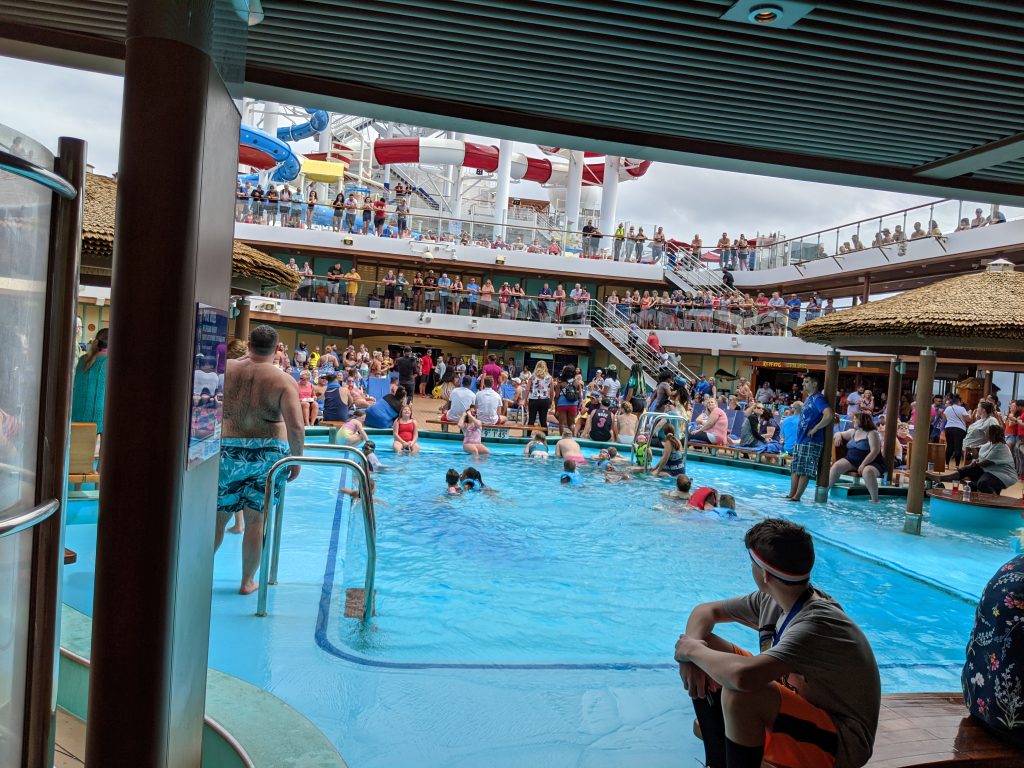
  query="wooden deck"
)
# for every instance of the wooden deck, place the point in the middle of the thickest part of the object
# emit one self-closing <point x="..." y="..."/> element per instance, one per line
<point x="934" y="730"/>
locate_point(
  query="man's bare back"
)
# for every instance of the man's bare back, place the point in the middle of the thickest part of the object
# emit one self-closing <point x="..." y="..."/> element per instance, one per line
<point x="254" y="395"/>
<point x="566" y="448"/>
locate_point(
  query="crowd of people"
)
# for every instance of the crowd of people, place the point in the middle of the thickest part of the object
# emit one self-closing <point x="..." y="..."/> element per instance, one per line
<point x="443" y="292"/>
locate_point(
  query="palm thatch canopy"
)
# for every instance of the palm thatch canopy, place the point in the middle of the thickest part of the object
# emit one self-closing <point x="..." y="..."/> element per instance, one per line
<point x="976" y="316"/>
<point x="98" y="241"/>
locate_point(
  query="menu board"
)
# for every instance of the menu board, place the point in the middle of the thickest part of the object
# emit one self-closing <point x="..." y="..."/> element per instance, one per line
<point x="208" y="365"/>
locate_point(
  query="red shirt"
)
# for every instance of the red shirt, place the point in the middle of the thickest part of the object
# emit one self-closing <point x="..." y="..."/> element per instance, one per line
<point x="653" y="341"/>
<point x="379" y="208"/>
<point x="426" y="365"/>
<point x="494" y="371"/>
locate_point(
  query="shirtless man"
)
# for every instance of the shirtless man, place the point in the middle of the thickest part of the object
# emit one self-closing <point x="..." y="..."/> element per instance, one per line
<point x="262" y="424"/>
<point x="281" y="357"/>
<point x="743" y="392"/>
<point x="567" y="447"/>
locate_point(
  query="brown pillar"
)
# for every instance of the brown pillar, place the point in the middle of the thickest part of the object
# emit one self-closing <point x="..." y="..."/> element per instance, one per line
<point x="987" y="389"/>
<point x="59" y="356"/>
<point x="865" y="296"/>
<point x="919" y="456"/>
<point x="242" y="321"/>
<point x="154" y="543"/>
<point x="892" y="415"/>
<point x="829" y="390"/>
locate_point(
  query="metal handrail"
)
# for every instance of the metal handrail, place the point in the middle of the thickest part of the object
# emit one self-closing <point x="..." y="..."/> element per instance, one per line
<point x="25" y="520"/>
<point x="656" y="418"/>
<point x="19" y="166"/>
<point x="273" y="521"/>
<point x="614" y="326"/>
<point x="275" y="554"/>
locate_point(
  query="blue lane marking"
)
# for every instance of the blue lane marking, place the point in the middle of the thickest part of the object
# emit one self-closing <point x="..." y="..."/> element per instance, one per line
<point x="325" y="644"/>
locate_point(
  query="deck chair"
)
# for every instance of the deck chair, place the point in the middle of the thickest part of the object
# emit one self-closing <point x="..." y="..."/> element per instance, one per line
<point x="82" y="459"/>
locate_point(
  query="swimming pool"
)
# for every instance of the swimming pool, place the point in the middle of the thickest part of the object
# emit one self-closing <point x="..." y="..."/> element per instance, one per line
<point x="537" y="624"/>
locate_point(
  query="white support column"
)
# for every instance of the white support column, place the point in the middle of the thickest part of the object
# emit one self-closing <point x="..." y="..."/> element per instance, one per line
<point x="386" y="172"/>
<point x="270" y="117"/>
<point x="501" y="191"/>
<point x="325" y="145"/>
<point x="573" y="190"/>
<point x="609" y="195"/>
<point x="455" y="193"/>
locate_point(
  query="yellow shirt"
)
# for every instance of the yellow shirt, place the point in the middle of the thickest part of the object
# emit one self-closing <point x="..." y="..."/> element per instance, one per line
<point x="353" y="279"/>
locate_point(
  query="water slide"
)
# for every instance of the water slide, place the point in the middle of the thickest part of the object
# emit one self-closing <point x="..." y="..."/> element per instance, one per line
<point x="543" y="170"/>
<point x="259" y="149"/>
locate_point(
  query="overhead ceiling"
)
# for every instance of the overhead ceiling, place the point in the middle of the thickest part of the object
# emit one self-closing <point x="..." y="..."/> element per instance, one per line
<point x="914" y="95"/>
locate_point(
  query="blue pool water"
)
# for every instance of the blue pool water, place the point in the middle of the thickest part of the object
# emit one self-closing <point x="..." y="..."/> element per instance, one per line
<point x="536" y="624"/>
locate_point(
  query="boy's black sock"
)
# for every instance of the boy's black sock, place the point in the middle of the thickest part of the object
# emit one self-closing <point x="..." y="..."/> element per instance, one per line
<point x="712" y="728"/>
<point x="738" y="756"/>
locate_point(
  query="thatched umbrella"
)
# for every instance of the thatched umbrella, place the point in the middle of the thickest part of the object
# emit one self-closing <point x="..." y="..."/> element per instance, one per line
<point x="972" y="315"/>
<point x="98" y="243"/>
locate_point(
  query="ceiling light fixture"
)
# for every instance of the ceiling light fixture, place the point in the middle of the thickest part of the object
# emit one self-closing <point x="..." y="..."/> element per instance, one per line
<point x="766" y="14"/>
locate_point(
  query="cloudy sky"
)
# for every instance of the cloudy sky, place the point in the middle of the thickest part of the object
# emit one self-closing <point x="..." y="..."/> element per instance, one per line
<point x="46" y="102"/>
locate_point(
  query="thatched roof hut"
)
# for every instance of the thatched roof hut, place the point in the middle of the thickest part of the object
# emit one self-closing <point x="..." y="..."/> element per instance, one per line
<point x="98" y="242"/>
<point x="975" y="315"/>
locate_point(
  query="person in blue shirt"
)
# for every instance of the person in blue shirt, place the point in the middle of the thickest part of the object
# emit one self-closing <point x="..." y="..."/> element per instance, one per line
<point x="790" y="425"/>
<point x="570" y="473"/>
<point x="472" y="289"/>
<point x="810" y="436"/>
<point x="794" y="311"/>
<point x="702" y="388"/>
<point x="443" y="284"/>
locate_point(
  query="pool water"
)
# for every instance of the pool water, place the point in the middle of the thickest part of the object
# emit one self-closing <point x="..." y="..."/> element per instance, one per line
<point x="536" y="625"/>
<point x="537" y="573"/>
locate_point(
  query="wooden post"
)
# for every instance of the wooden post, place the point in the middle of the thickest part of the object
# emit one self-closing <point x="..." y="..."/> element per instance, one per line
<point x="892" y="416"/>
<point x="919" y="456"/>
<point x="242" y="320"/>
<point x="987" y="389"/>
<point x="828" y="389"/>
<point x="866" y="294"/>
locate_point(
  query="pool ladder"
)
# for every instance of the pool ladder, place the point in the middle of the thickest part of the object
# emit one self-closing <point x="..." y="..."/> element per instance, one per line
<point x="272" y="528"/>
<point x="649" y="423"/>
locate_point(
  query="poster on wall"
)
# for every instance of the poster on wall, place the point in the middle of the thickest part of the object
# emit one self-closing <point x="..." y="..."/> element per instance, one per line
<point x="208" y="364"/>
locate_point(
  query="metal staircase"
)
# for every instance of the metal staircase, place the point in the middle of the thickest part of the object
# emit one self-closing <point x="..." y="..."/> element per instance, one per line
<point x="612" y="332"/>
<point x="691" y="274"/>
<point x="418" y="191"/>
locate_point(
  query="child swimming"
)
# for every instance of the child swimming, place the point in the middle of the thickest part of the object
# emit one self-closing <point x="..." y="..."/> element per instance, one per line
<point x="682" y="491"/>
<point x="537" y="448"/>
<point x="472" y="480"/>
<point x="370" y="452"/>
<point x="451" y="477"/>
<point x="570" y="473"/>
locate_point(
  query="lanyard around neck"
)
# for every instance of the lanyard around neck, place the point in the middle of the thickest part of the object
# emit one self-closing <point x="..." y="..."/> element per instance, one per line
<point x="800" y="603"/>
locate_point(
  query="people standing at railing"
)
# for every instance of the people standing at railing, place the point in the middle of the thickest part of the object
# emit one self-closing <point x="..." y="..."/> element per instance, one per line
<point x="352" y="278"/>
<point x="380" y="215"/>
<point x="658" y="243"/>
<point x="618" y="241"/>
<point x="979" y="219"/>
<point x="586" y="231"/>
<point x="339" y="211"/>
<point x="595" y="241"/>
<point x="638" y="245"/>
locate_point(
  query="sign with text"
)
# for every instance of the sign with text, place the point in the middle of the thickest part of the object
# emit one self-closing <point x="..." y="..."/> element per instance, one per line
<point x="208" y="364"/>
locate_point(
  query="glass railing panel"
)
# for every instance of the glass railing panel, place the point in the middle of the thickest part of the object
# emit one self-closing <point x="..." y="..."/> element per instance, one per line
<point x="24" y="248"/>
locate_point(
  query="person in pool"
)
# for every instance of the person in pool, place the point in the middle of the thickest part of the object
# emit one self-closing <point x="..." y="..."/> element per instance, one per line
<point x="704" y="498"/>
<point x="570" y="473"/>
<point x="472" y="433"/>
<point x="451" y="478"/>
<point x="406" y="433"/>
<point x="537" y="448"/>
<point x="472" y="480"/>
<point x="682" y="490"/>
<point x="673" y="459"/>
<point x="352" y="432"/>
<point x="568" y="448"/>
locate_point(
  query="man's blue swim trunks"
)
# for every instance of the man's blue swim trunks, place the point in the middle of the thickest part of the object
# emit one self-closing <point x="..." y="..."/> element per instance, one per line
<point x="245" y="463"/>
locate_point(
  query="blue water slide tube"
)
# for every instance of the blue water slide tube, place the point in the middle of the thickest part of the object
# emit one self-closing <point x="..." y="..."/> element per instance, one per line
<point x="288" y="162"/>
<point x="318" y="121"/>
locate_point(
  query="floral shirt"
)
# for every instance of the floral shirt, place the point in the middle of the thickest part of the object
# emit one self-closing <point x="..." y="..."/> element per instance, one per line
<point x="993" y="674"/>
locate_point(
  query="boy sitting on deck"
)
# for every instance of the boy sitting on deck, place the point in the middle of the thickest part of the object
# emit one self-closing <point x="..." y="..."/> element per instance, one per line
<point x="811" y="697"/>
